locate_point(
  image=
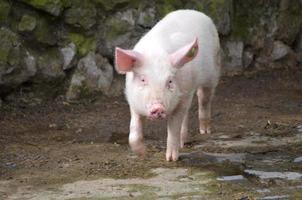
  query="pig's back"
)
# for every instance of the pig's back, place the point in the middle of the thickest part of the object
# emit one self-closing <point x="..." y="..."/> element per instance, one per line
<point x="180" y="28"/>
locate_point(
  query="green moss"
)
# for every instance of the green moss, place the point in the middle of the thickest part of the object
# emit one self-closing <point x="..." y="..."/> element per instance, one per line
<point x="84" y="44"/>
<point x="50" y="65"/>
<point x="116" y="27"/>
<point x="14" y="56"/>
<point x="53" y="7"/>
<point x="27" y="23"/>
<point x="4" y="10"/>
<point x="215" y="6"/>
<point x="290" y="22"/>
<point x="81" y="14"/>
<point x="8" y="40"/>
<point x="246" y="16"/>
<point x="109" y="5"/>
<point x="166" y="6"/>
<point x="148" y="19"/>
<point x="44" y="33"/>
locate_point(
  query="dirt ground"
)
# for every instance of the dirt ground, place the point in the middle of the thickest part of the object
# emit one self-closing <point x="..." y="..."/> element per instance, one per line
<point x="48" y="145"/>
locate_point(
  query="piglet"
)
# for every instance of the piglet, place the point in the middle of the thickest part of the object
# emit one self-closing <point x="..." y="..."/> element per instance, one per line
<point x="176" y="58"/>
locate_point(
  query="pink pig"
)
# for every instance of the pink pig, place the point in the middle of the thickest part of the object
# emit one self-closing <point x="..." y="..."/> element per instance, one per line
<point x="176" y="58"/>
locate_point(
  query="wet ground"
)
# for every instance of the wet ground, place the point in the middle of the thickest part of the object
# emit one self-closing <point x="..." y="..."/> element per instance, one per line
<point x="61" y="150"/>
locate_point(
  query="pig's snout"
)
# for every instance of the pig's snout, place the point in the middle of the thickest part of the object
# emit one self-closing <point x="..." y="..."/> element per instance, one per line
<point x="157" y="111"/>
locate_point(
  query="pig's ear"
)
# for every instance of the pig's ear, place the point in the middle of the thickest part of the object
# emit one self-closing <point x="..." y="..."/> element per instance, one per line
<point x="184" y="54"/>
<point x="125" y="59"/>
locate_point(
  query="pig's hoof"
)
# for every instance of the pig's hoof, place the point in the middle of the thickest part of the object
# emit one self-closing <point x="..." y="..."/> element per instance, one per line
<point x="204" y="126"/>
<point x="172" y="154"/>
<point x="182" y="144"/>
<point x="183" y="140"/>
<point x="204" y="130"/>
<point x="139" y="150"/>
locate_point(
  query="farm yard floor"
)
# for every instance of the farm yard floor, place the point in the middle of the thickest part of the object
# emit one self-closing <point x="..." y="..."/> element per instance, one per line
<point x="61" y="150"/>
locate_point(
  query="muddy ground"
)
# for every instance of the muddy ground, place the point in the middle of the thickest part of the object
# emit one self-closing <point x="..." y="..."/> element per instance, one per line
<point x="79" y="150"/>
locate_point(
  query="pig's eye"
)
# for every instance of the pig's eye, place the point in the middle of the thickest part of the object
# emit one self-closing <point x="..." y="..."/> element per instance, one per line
<point x="170" y="84"/>
<point x="143" y="80"/>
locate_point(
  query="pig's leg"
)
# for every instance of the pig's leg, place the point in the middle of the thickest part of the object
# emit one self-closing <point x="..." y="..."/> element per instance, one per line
<point x="205" y="95"/>
<point x="136" y="134"/>
<point x="184" y="132"/>
<point x="174" y="128"/>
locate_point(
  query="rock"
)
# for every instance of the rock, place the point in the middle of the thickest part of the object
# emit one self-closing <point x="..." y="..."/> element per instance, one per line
<point x="4" y="11"/>
<point x="110" y="5"/>
<point x="298" y="47"/>
<point x="289" y="21"/>
<point x="272" y="175"/>
<point x="233" y="55"/>
<point x="93" y="74"/>
<point x="30" y="63"/>
<point x="299" y="128"/>
<point x="298" y="159"/>
<point x="118" y="30"/>
<point x="50" y="65"/>
<point x="44" y="32"/>
<point x="53" y="7"/>
<point x="247" y="58"/>
<point x="81" y="14"/>
<point x="118" y="25"/>
<point x="83" y="43"/>
<point x="117" y="86"/>
<point x="280" y="50"/>
<point x="220" y="12"/>
<point x="8" y="40"/>
<point x="127" y="16"/>
<point x="27" y="23"/>
<point x="17" y="64"/>
<point x="231" y="178"/>
<point x="68" y="53"/>
<point x="147" y="18"/>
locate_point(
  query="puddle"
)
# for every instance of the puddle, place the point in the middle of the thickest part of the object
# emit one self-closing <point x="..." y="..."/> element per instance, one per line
<point x="273" y="175"/>
<point x="258" y="141"/>
<point x="275" y="197"/>
<point x="231" y="178"/>
<point x="210" y="158"/>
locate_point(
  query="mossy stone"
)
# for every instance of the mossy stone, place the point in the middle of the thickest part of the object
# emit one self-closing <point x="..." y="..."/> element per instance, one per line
<point x="43" y="32"/>
<point x="8" y="40"/>
<point x="248" y="15"/>
<point x="166" y="6"/>
<point x="83" y="44"/>
<point x="81" y="14"/>
<point x="289" y="21"/>
<point x="115" y="28"/>
<point x="54" y="7"/>
<point x="4" y="10"/>
<point x="50" y="64"/>
<point x="27" y="23"/>
<point x="109" y="5"/>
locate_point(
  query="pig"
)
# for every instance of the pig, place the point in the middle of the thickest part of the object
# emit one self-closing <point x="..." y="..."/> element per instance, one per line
<point x="178" y="57"/>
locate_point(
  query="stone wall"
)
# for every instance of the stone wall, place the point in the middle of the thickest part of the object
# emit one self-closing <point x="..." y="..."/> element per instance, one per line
<point x="54" y="47"/>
